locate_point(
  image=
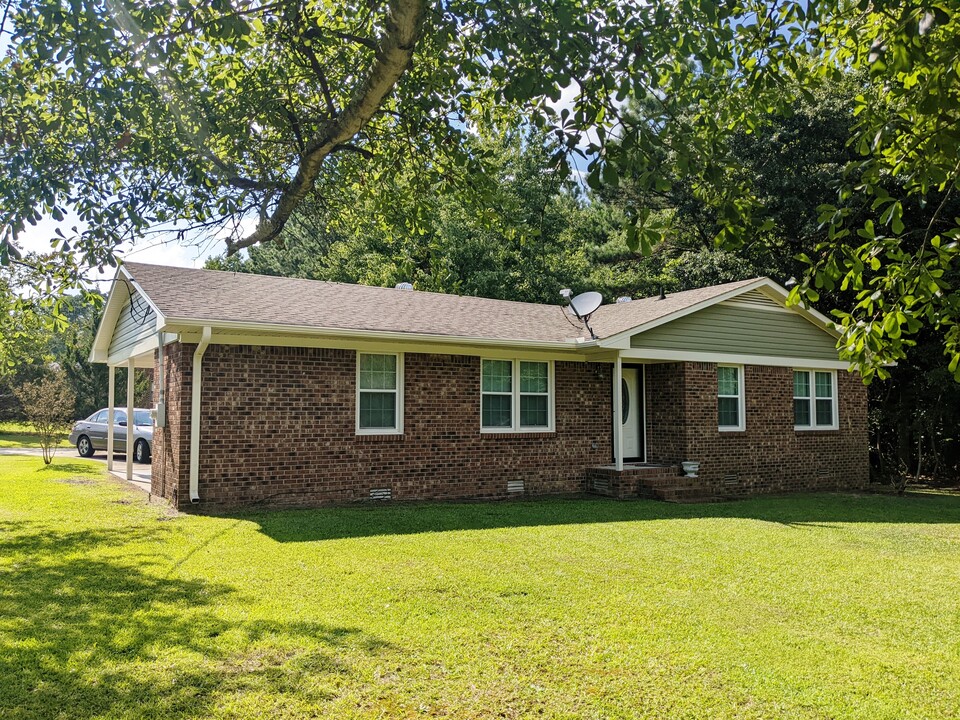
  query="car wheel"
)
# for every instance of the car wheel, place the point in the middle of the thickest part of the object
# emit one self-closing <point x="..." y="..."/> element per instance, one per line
<point x="141" y="452"/>
<point x="84" y="446"/>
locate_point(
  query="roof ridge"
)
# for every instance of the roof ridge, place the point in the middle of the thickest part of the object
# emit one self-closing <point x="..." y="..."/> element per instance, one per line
<point x="342" y="284"/>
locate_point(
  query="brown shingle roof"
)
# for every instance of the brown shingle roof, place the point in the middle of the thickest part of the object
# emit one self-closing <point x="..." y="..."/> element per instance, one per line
<point x="227" y="297"/>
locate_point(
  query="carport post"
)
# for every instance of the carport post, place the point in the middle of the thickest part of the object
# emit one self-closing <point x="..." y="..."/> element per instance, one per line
<point x="111" y="387"/>
<point x="130" y="374"/>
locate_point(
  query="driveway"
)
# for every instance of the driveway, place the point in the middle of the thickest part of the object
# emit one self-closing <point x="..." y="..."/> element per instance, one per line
<point x="141" y="473"/>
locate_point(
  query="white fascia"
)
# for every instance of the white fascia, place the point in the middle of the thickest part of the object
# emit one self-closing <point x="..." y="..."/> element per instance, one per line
<point x="189" y="324"/>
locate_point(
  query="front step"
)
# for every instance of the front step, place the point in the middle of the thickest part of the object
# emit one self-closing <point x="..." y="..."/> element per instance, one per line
<point x="656" y="482"/>
<point x="686" y="495"/>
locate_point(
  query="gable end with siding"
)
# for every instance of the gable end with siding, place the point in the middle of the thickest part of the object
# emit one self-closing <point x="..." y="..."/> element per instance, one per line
<point x="742" y="328"/>
<point x="137" y="321"/>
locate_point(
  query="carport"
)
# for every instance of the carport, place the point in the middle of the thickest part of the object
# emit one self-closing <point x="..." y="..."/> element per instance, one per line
<point x="131" y="342"/>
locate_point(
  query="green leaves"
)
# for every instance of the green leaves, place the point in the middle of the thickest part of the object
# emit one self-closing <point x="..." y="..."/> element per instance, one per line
<point x="133" y="115"/>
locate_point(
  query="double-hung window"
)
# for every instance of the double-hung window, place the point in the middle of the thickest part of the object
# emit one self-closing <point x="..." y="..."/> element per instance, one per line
<point x="815" y="400"/>
<point x="516" y="396"/>
<point x="730" y="405"/>
<point x="379" y="394"/>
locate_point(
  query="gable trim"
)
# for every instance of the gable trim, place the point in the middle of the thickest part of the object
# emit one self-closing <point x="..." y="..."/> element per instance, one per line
<point x="767" y="286"/>
<point x="99" y="352"/>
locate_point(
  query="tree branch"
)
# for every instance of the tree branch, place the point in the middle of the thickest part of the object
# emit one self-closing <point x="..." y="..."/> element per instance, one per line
<point x="366" y="42"/>
<point x="321" y="78"/>
<point x="395" y="49"/>
<point x="318" y="33"/>
<point x="349" y="147"/>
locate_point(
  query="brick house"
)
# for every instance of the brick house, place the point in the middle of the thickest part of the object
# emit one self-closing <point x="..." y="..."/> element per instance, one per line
<point x="299" y="392"/>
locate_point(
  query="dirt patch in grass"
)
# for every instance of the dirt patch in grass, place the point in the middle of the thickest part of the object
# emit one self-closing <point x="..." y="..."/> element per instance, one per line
<point x="77" y="481"/>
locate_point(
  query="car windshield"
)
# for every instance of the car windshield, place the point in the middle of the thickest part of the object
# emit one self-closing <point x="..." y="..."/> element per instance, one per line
<point x="142" y="417"/>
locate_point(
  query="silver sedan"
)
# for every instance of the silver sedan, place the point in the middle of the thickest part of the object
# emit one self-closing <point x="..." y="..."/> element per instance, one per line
<point x="90" y="435"/>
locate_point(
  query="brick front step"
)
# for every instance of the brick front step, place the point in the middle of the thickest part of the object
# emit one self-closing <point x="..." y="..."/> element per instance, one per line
<point x="656" y="482"/>
<point x="686" y="495"/>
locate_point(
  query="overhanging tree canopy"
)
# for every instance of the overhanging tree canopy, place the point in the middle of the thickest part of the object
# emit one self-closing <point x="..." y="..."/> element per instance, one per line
<point x="141" y="113"/>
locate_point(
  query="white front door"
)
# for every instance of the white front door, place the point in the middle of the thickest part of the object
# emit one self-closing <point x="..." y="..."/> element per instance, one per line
<point x="631" y="413"/>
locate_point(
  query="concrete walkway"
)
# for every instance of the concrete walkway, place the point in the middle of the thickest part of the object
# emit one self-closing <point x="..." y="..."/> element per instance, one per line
<point x="141" y="473"/>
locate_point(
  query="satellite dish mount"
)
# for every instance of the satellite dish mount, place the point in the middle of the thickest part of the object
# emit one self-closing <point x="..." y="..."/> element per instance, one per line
<point x="583" y="306"/>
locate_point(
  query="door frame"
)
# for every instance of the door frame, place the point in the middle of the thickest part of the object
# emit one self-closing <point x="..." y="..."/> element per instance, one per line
<point x="616" y="416"/>
<point x="642" y="420"/>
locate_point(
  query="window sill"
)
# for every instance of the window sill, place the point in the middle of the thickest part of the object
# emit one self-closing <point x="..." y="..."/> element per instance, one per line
<point x="378" y="438"/>
<point x="823" y="429"/>
<point x="510" y="432"/>
<point x="731" y="429"/>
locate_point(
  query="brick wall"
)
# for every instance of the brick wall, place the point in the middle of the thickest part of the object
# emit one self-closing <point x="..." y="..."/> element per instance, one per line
<point x="279" y="426"/>
<point x="769" y="456"/>
<point x="171" y="444"/>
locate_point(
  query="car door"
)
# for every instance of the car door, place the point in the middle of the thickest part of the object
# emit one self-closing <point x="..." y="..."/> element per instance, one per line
<point x="119" y="431"/>
<point x="95" y="428"/>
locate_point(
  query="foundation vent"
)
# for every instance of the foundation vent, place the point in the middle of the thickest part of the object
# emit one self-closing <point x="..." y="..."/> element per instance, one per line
<point x="731" y="479"/>
<point x="601" y="485"/>
<point x="381" y="493"/>
<point x="514" y="486"/>
<point x="823" y="473"/>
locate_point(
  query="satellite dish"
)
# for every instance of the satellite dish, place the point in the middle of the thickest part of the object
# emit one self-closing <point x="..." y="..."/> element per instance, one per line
<point x="584" y="304"/>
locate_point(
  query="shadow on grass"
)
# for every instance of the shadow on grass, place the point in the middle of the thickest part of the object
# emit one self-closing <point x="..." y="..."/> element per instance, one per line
<point x="798" y="510"/>
<point x="80" y="468"/>
<point x="83" y="634"/>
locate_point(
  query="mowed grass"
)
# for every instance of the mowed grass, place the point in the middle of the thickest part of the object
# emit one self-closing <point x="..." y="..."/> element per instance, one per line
<point x="20" y="435"/>
<point x="817" y="606"/>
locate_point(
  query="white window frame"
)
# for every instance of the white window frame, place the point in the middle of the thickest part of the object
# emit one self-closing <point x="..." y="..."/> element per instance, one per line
<point x="812" y="400"/>
<point x="515" y="426"/>
<point x="398" y="429"/>
<point x="741" y="400"/>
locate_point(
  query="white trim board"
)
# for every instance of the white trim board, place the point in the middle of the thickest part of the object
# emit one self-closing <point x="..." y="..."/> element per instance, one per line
<point x="656" y="355"/>
<point x="407" y="344"/>
<point x="184" y="325"/>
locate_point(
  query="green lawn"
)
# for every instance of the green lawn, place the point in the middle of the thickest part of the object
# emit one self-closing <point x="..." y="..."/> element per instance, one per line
<point x="19" y="434"/>
<point x="808" y="607"/>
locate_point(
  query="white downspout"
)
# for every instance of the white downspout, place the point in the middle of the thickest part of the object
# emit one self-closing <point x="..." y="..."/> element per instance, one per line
<point x="195" y="415"/>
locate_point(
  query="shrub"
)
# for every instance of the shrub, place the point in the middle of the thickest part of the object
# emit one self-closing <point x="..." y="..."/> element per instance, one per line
<point x="48" y="404"/>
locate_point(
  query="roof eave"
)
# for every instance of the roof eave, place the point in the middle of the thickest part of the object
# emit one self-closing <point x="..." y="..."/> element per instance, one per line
<point x="174" y="324"/>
